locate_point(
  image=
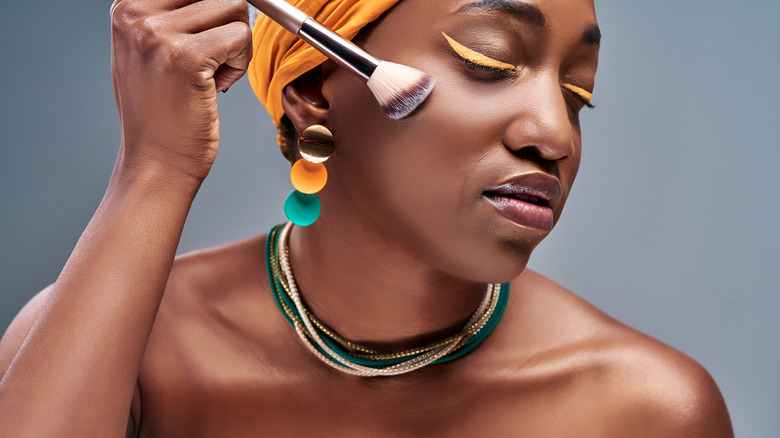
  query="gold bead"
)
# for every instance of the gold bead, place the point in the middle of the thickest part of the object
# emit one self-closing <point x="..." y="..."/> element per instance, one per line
<point x="316" y="144"/>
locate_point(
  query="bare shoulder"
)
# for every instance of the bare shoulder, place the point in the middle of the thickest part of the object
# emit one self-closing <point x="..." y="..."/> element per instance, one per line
<point x="213" y="330"/>
<point x="207" y="277"/>
<point x="626" y="382"/>
<point x="19" y="328"/>
<point x="225" y="259"/>
<point x="212" y="292"/>
<point x="197" y="278"/>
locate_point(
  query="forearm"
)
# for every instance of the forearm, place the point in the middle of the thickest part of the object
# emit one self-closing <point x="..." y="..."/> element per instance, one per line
<point x="76" y="371"/>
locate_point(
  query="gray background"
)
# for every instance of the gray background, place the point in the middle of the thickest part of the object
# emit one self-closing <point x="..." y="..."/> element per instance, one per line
<point x="671" y="227"/>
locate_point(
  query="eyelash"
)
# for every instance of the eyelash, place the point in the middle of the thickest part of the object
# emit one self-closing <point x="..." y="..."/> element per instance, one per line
<point x="472" y="58"/>
<point x="476" y="59"/>
<point x="487" y="68"/>
<point x="581" y="94"/>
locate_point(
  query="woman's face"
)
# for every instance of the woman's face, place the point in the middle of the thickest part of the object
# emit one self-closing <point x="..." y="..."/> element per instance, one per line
<point x="476" y="177"/>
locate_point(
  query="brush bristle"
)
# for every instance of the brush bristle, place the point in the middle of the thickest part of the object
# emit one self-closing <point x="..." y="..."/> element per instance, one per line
<point x="399" y="89"/>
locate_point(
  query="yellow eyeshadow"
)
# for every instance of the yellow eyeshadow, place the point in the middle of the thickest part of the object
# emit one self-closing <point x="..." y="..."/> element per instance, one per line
<point x="476" y="57"/>
<point x="583" y="93"/>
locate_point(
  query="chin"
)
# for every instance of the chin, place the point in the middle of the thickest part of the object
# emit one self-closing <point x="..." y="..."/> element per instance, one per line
<point x="501" y="269"/>
<point x="509" y="261"/>
<point x="488" y="256"/>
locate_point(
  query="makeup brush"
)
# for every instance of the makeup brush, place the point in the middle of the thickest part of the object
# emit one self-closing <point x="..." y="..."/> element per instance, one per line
<point x="399" y="89"/>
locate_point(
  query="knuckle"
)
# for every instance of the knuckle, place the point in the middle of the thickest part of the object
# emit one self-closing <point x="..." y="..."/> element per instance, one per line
<point x="244" y="33"/>
<point x="123" y="15"/>
<point x="114" y="5"/>
<point x="152" y="41"/>
<point x="238" y="6"/>
<point x="239" y="32"/>
<point x="149" y="32"/>
<point x="180" y="53"/>
<point x="239" y="36"/>
<point x="202" y="76"/>
<point x="238" y="10"/>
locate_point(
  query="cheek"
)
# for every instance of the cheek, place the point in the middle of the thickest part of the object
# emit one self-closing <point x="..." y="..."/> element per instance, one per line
<point x="428" y="161"/>
<point x="421" y="178"/>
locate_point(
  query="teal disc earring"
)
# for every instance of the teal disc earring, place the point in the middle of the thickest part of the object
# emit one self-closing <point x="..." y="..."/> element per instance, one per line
<point x="302" y="209"/>
<point x="308" y="175"/>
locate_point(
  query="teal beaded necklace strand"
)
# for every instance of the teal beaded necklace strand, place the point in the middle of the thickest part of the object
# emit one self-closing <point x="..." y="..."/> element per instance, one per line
<point x="330" y="347"/>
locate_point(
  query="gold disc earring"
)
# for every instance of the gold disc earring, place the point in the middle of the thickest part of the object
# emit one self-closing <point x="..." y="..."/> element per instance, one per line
<point x="308" y="175"/>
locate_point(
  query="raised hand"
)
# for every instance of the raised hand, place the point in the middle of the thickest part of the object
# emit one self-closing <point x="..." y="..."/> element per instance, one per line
<point x="169" y="58"/>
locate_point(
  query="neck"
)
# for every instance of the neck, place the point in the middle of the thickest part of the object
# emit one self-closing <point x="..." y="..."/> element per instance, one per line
<point x="373" y="291"/>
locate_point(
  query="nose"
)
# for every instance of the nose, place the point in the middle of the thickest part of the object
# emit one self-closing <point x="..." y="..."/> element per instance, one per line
<point x="542" y="123"/>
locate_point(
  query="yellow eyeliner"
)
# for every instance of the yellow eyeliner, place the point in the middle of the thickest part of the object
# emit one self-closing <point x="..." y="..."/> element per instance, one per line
<point x="476" y="57"/>
<point x="581" y="92"/>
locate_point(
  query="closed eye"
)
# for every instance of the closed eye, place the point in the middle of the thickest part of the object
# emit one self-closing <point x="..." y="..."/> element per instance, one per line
<point x="582" y="94"/>
<point x="475" y="58"/>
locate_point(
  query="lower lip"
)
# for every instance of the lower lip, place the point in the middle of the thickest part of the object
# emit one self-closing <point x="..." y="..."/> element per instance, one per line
<point x="523" y="213"/>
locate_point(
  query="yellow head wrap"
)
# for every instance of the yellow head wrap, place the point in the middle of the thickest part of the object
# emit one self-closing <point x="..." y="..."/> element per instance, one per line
<point x="280" y="57"/>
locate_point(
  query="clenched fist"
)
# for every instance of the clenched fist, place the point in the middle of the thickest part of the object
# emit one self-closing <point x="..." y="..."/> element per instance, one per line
<point x="169" y="58"/>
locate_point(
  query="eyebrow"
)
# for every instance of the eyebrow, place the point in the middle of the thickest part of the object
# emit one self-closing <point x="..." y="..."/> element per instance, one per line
<point x="528" y="12"/>
<point x="522" y="10"/>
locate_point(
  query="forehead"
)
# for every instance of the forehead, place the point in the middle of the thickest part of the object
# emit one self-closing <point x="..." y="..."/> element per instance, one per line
<point x="564" y="24"/>
<point x="551" y="10"/>
<point x="412" y="17"/>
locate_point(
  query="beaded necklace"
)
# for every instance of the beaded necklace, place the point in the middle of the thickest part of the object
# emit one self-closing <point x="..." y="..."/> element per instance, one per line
<point x="356" y="359"/>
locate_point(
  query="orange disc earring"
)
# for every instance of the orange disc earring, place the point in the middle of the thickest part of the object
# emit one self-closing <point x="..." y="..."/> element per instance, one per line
<point x="308" y="175"/>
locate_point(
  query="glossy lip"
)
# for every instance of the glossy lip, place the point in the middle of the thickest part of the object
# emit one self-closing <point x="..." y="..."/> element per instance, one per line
<point x="528" y="200"/>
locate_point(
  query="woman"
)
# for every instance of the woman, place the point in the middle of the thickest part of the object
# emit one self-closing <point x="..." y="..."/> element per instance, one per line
<point x="414" y="225"/>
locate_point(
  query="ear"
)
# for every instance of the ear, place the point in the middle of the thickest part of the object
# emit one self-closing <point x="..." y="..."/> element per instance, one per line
<point x="303" y="102"/>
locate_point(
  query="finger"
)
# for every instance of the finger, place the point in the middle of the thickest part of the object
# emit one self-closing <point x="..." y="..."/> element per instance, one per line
<point x="204" y="15"/>
<point x="127" y="15"/>
<point x="229" y="45"/>
<point x="141" y="8"/>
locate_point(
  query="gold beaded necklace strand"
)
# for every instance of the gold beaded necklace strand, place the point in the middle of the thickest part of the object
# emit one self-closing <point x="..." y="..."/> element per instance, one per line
<point x="365" y="361"/>
<point x="364" y="352"/>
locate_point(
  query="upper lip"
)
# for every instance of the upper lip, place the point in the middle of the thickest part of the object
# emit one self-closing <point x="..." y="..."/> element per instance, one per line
<point x="538" y="188"/>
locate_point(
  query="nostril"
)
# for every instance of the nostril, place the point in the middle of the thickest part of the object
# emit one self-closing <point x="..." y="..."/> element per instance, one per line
<point x="544" y="131"/>
<point x="532" y="154"/>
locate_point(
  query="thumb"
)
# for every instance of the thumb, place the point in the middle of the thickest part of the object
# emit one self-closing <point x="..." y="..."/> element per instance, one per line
<point x="226" y="76"/>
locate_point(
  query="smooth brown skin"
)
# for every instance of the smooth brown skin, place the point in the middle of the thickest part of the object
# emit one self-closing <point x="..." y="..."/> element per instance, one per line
<point x="196" y="346"/>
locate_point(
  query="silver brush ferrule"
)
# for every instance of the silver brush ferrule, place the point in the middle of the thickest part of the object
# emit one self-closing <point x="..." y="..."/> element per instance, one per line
<point x="338" y="48"/>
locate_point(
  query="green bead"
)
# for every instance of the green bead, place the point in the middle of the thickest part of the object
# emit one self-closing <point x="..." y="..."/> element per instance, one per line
<point x="302" y="209"/>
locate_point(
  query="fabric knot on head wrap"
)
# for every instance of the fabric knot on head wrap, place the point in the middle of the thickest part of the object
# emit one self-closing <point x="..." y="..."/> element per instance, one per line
<point x="280" y="57"/>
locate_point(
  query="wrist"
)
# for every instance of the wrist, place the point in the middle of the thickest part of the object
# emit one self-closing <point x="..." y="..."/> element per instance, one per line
<point x="168" y="157"/>
<point x="154" y="177"/>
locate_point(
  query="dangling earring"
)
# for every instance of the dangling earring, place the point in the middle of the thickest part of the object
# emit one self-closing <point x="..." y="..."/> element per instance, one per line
<point x="308" y="175"/>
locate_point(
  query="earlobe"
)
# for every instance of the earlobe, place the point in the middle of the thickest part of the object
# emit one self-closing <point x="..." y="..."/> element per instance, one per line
<point x="303" y="101"/>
